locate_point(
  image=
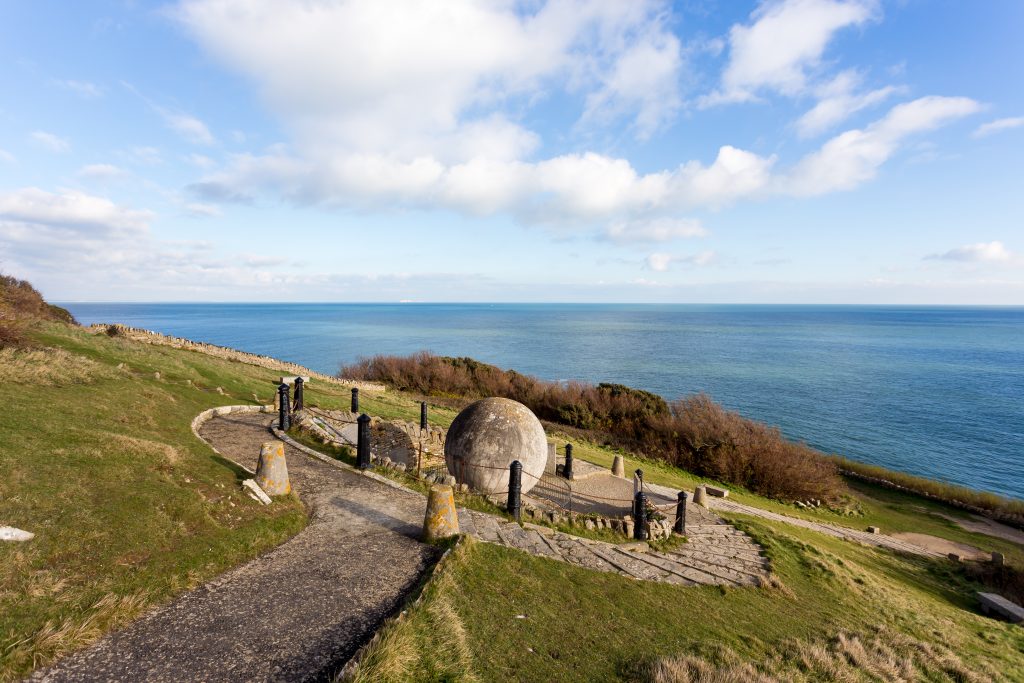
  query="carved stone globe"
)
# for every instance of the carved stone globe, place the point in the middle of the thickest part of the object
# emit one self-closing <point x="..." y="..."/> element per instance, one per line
<point x="487" y="436"/>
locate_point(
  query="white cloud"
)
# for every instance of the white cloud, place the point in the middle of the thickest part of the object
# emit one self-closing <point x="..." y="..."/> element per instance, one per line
<point x="784" y="42"/>
<point x="200" y="210"/>
<point x="148" y="156"/>
<point x="81" y="88"/>
<point x="982" y="252"/>
<point x="853" y="157"/>
<point x="101" y="172"/>
<point x="7" y="157"/>
<point x="998" y="126"/>
<point x="201" y="160"/>
<point x="838" y="101"/>
<point x="70" y="211"/>
<point x="661" y="261"/>
<point x="50" y="141"/>
<point x="408" y="78"/>
<point x="655" y="230"/>
<point x="188" y="127"/>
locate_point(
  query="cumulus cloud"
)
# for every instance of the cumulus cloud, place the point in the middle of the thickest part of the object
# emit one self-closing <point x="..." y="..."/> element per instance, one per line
<point x="70" y="210"/>
<point x="783" y="43"/>
<point x="983" y="252"/>
<point x="52" y="142"/>
<point x="998" y="126"/>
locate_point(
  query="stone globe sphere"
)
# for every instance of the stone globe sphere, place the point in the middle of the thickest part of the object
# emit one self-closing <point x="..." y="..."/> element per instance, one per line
<point x="487" y="436"/>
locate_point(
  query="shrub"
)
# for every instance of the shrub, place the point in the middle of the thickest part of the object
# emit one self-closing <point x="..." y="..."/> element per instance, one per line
<point x="694" y="433"/>
<point x="20" y="306"/>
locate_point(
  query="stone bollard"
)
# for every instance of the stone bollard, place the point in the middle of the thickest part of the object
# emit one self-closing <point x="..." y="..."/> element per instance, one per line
<point x="700" y="496"/>
<point x="441" y="520"/>
<point x="272" y="470"/>
<point x="997" y="559"/>
<point x="619" y="467"/>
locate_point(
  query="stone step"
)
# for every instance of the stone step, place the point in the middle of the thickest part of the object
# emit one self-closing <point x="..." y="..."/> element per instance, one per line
<point x="751" y="554"/>
<point x="467" y="523"/>
<point x="727" y="573"/>
<point x="628" y="563"/>
<point x="487" y="526"/>
<point x="577" y="553"/>
<point x="683" y="570"/>
<point x="746" y="566"/>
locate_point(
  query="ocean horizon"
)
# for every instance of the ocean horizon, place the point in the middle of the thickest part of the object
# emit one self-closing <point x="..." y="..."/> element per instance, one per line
<point x="936" y="391"/>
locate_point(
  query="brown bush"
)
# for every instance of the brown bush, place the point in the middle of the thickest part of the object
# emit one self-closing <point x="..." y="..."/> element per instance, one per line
<point x="20" y="306"/>
<point x="694" y="433"/>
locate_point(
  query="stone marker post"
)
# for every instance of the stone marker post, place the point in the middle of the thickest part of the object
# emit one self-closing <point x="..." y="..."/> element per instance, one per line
<point x="680" y="527"/>
<point x="272" y="470"/>
<point x="355" y="399"/>
<point x="363" y="441"/>
<point x="700" y="496"/>
<point x="299" y="385"/>
<point x="515" y="488"/>
<point x="567" y="471"/>
<point x="441" y="520"/>
<point x="640" y="516"/>
<point x="423" y="415"/>
<point x="619" y="467"/>
<point x="284" y="422"/>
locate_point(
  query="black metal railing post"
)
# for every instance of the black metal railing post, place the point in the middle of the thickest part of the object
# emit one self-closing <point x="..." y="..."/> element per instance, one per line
<point x="680" y="526"/>
<point x="567" y="470"/>
<point x="640" y="516"/>
<point x="284" y="418"/>
<point x="355" y="399"/>
<point x="363" y="442"/>
<point x="423" y="415"/>
<point x="515" y="489"/>
<point x="299" y="382"/>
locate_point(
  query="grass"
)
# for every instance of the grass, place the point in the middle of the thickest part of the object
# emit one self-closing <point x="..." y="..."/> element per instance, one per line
<point x="128" y="507"/>
<point x="525" y="618"/>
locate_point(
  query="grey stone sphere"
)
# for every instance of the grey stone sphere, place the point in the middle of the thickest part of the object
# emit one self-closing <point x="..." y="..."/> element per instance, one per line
<point x="487" y="436"/>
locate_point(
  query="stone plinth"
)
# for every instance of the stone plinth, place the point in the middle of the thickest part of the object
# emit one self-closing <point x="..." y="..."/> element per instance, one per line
<point x="619" y="467"/>
<point x="441" y="519"/>
<point x="700" y="497"/>
<point x="272" y="471"/>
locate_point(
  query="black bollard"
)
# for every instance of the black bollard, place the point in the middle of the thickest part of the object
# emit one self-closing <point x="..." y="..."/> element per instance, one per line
<point x="680" y="526"/>
<point x="298" y="393"/>
<point x="640" y="516"/>
<point x="284" y="418"/>
<point x="515" y="489"/>
<point x="363" y="442"/>
<point x="567" y="470"/>
<point x="423" y="415"/>
<point x="355" y="399"/>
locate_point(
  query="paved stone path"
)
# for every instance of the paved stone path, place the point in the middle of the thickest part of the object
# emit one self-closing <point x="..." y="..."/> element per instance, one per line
<point x="295" y="614"/>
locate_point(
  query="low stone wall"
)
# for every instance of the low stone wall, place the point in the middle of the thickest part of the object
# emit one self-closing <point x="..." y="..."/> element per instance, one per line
<point x="150" y="337"/>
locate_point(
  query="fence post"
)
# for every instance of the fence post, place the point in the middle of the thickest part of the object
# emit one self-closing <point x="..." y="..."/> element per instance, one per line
<point x="567" y="470"/>
<point x="363" y="442"/>
<point x="284" y="421"/>
<point x="423" y="415"/>
<point x="640" y="516"/>
<point x="515" y="488"/>
<point x="299" y="382"/>
<point x="680" y="527"/>
<point x="355" y="399"/>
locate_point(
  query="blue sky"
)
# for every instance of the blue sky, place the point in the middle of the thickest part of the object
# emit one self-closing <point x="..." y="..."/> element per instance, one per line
<point x="793" y="151"/>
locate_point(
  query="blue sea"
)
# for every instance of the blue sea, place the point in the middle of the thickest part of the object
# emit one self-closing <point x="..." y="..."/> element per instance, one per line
<point x="933" y="391"/>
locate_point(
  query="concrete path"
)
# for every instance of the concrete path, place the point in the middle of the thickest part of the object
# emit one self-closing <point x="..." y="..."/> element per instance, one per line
<point x="295" y="614"/>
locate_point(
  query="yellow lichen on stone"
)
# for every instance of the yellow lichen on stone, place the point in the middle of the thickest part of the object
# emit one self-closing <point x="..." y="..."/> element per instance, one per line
<point x="441" y="519"/>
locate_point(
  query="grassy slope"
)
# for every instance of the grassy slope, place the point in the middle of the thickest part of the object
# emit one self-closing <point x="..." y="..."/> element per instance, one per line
<point x="128" y="507"/>
<point x="555" y="622"/>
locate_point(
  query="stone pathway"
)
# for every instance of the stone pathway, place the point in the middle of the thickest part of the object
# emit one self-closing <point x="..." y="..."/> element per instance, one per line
<point x="296" y="613"/>
<point x="877" y="540"/>
<point x="716" y="553"/>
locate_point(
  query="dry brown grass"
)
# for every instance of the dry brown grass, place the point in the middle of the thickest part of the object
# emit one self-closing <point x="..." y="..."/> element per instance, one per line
<point x="56" y="639"/>
<point x="883" y="655"/>
<point x="51" y="367"/>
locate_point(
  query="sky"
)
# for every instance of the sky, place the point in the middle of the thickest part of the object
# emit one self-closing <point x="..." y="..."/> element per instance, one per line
<point x="703" y="151"/>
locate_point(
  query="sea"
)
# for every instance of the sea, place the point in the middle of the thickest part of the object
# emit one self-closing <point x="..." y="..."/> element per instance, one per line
<point x="933" y="391"/>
